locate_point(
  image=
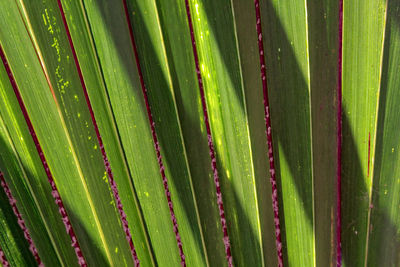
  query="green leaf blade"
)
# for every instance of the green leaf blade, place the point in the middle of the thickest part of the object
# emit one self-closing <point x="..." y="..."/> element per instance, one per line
<point x="13" y="244"/>
<point x="94" y="82"/>
<point x="363" y="31"/>
<point x="383" y="244"/>
<point x="288" y="77"/>
<point x="92" y="199"/>
<point x="159" y="84"/>
<point x="323" y="39"/>
<point x="220" y="68"/>
<point x="127" y="101"/>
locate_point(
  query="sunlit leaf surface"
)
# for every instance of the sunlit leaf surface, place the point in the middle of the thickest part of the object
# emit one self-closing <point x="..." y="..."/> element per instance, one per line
<point x="134" y="131"/>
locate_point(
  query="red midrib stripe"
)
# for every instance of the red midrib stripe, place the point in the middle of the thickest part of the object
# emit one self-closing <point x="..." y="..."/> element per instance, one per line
<point x="155" y="139"/>
<point x="3" y="259"/>
<point x="55" y="193"/>
<point x="210" y="141"/>
<point x="275" y="203"/>
<point x="113" y="184"/>
<point x="339" y="141"/>
<point x="21" y="221"/>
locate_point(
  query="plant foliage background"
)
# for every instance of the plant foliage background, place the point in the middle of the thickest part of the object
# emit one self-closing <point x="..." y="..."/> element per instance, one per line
<point x="116" y="132"/>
